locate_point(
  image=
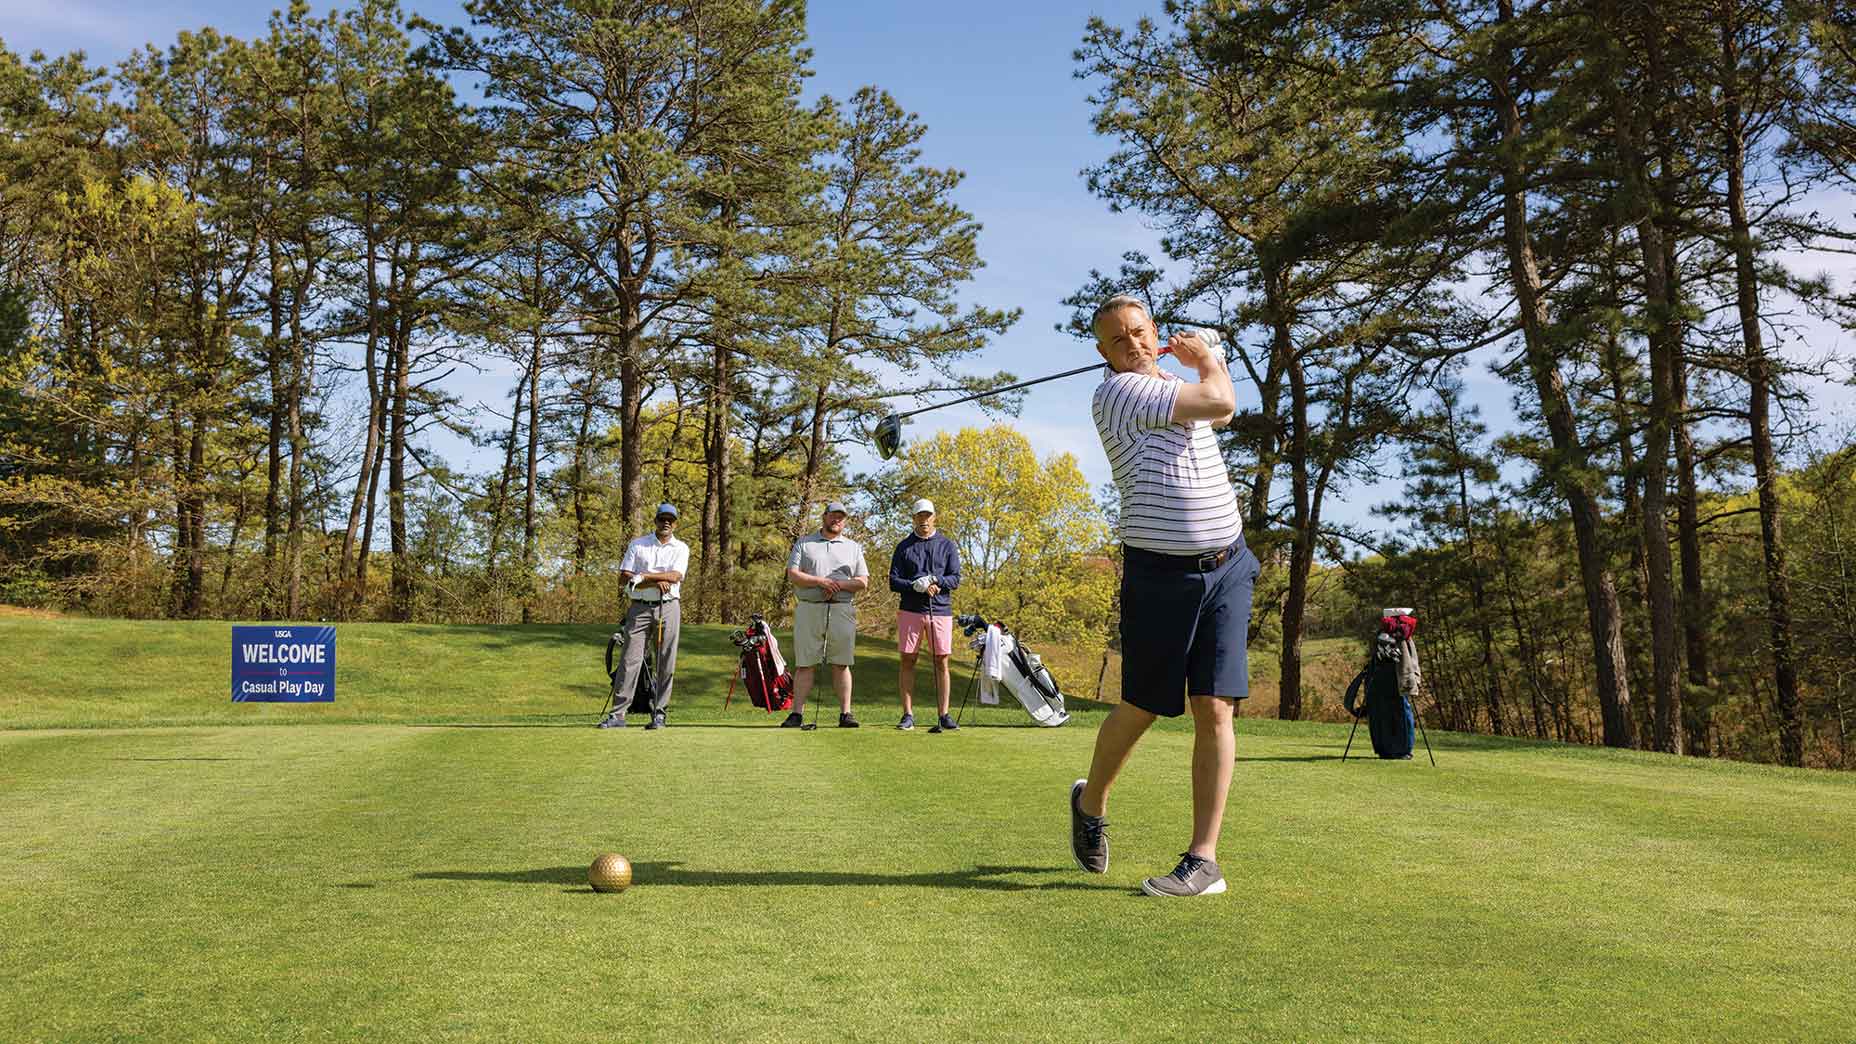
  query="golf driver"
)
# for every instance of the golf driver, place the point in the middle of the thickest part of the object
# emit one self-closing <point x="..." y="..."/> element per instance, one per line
<point x="887" y="435"/>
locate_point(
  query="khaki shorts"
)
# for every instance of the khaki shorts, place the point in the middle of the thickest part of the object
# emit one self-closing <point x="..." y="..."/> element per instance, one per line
<point x="824" y="631"/>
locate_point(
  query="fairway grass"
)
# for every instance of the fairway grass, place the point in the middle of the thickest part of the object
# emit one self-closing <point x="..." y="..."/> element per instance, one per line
<point x="425" y="879"/>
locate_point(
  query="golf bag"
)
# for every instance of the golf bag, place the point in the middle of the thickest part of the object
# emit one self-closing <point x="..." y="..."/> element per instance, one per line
<point x="1389" y="680"/>
<point x="1004" y="659"/>
<point x="616" y="645"/>
<point x="763" y="671"/>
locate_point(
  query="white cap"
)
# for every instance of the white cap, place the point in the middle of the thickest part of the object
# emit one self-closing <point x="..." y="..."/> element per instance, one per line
<point x="924" y="504"/>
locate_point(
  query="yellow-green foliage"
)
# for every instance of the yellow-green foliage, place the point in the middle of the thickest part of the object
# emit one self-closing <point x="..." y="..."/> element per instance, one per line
<point x="1034" y="547"/>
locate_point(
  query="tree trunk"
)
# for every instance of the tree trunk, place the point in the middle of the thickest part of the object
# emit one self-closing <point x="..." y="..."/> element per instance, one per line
<point x="1301" y="549"/>
<point x="534" y="463"/>
<point x="587" y="405"/>
<point x="300" y="376"/>
<point x="1696" y="703"/>
<point x="1478" y="584"/>
<point x="1664" y="337"/>
<point x="1595" y="573"/>
<point x="1759" y="384"/>
<point x="715" y="513"/>
<point x="631" y="442"/>
<point x="400" y="388"/>
<point x="273" y="485"/>
<point x="365" y="479"/>
<point x="499" y="499"/>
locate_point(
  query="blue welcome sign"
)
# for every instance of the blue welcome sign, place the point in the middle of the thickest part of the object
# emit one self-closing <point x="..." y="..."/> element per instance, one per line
<point x="283" y="664"/>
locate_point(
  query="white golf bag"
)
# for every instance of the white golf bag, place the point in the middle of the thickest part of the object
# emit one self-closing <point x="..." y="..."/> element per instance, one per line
<point x="1003" y="660"/>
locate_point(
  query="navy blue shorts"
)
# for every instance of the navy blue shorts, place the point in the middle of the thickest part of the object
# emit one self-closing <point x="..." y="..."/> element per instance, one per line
<point x="1183" y="632"/>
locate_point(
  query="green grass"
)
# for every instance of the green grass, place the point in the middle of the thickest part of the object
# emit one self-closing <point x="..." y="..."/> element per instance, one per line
<point x="420" y="874"/>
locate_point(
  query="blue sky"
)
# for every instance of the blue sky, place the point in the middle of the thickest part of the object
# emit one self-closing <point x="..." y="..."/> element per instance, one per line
<point x="992" y="81"/>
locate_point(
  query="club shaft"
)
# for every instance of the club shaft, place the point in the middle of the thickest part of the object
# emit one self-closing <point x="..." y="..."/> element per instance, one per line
<point x="1002" y="391"/>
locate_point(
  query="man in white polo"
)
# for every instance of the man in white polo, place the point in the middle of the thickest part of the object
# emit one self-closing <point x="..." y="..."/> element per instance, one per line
<point x="827" y="571"/>
<point x="652" y="572"/>
<point x="1187" y="580"/>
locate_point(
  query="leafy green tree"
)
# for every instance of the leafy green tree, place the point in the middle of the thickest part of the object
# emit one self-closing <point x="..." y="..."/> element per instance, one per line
<point x="875" y="299"/>
<point x="1290" y="201"/>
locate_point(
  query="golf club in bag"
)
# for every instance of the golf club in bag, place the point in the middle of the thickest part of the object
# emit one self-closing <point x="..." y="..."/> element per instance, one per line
<point x="887" y="435"/>
<point x="999" y="654"/>
<point x="763" y="670"/>
<point x="1389" y="682"/>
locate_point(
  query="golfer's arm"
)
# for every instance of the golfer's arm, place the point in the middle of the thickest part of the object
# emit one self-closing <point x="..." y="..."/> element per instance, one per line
<point x="1211" y="399"/>
<point x="800" y="579"/>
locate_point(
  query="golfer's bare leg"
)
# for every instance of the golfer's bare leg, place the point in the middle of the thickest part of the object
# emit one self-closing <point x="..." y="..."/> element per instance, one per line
<point x="1214" y="748"/>
<point x="943" y="683"/>
<point x="802" y="687"/>
<point x="1115" y="740"/>
<point x="841" y="681"/>
<point x="905" y="683"/>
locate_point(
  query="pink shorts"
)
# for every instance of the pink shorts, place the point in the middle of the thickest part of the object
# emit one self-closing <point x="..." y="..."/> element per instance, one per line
<point x="910" y="627"/>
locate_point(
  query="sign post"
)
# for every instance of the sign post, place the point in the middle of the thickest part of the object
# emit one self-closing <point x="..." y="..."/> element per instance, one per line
<point x="286" y="664"/>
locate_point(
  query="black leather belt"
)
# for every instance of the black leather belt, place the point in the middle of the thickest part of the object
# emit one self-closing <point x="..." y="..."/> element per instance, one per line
<point x="1204" y="563"/>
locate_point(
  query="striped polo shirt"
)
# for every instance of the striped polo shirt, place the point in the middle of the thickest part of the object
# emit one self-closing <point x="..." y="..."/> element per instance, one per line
<point x="1176" y="496"/>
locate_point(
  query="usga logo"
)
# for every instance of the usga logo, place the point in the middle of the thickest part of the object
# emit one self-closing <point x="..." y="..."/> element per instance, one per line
<point x="280" y="634"/>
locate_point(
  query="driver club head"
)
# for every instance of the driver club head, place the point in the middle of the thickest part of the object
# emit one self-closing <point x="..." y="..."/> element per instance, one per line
<point x="887" y="435"/>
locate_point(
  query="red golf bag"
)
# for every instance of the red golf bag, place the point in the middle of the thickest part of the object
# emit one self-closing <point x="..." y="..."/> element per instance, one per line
<point x="763" y="671"/>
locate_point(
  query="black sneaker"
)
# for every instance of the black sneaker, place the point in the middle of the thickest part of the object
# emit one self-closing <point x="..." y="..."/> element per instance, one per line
<point x="793" y="721"/>
<point x="1088" y="834"/>
<point x="657" y="722"/>
<point x="612" y="721"/>
<point x="1195" y="875"/>
<point x="947" y="723"/>
<point x="907" y="722"/>
<point x="845" y="721"/>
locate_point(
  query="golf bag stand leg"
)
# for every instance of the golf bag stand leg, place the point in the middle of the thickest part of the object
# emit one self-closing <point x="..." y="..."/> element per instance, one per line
<point x="972" y="681"/>
<point x="824" y="661"/>
<point x="1350" y="732"/>
<point x="612" y="685"/>
<point x="1419" y="715"/>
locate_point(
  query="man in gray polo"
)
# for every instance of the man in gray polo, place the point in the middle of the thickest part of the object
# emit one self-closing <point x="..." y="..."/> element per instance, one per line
<point x="827" y="570"/>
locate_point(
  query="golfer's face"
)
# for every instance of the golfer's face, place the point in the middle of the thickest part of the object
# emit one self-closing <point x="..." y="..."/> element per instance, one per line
<point x="1127" y="340"/>
<point x="834" y="522"/>
<point x="666" y="523"/>
<point x="924" y="524"/>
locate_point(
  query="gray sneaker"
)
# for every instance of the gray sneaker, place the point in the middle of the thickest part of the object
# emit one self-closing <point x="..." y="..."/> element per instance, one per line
<point x="1193" y="876"/>
<point x="1088" y="834"/>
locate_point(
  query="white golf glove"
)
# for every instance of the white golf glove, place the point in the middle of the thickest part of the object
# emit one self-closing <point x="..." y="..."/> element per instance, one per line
<point x="922" y="583"/>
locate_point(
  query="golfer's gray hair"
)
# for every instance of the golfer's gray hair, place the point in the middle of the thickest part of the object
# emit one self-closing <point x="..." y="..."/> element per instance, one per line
<point x="1118" y="301"/>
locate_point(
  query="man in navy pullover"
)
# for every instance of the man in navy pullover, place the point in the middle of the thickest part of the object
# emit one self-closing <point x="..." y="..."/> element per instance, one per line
<point x="925" y="567"/>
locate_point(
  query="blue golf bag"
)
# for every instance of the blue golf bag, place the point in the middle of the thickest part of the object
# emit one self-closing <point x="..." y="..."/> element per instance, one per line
<point x="1391" y="674"/>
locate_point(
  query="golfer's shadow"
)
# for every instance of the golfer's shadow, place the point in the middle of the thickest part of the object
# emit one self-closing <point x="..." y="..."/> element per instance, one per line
<point x="674" y="875"/>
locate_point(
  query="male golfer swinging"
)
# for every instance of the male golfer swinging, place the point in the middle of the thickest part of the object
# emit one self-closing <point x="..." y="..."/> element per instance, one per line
<point x="1186" y="582"/>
